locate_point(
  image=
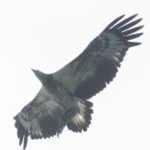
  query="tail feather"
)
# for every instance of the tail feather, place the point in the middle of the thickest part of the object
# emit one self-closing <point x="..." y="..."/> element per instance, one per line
<point x="82" y="119"/>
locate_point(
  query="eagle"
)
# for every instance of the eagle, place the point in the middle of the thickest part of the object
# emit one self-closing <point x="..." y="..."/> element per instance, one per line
<point x="63" y="98"/>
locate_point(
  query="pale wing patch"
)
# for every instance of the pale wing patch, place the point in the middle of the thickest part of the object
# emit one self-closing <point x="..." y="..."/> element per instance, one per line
<point x="118" y="54"/>
<point x="116" y="59"/>
<point x="79" y="118"/>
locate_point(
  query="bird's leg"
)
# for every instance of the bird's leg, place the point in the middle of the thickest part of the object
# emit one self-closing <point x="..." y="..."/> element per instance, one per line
<point x="64" y="120"/>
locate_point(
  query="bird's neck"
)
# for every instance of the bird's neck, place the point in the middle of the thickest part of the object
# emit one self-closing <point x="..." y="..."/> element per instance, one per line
<point x="47" y="80"/>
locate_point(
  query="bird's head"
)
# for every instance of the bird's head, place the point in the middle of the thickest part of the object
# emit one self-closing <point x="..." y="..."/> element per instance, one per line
<point x="43" y="77"/>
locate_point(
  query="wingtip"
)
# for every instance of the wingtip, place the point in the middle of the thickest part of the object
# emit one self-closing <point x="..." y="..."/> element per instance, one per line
<point x="135" y="15"/>
<point x="131" y="44"/>
<point x="140" y="19"/>
<point x="123" y="15"/>
<point x="114" y="22"/>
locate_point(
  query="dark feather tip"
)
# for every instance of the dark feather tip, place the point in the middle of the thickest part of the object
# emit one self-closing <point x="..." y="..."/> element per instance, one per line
<point x="131" y="44"/>
<point x="114" y="22"/>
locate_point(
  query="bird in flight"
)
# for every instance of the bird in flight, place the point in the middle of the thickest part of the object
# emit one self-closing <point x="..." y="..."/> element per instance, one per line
<point x="63" y="98"/>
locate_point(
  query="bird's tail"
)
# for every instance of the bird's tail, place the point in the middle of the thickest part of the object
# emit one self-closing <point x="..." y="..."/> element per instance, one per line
<point x="82" y="118"/>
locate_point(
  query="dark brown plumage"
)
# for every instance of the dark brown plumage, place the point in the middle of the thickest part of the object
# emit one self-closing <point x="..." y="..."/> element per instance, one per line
<point x="62" y="99"/>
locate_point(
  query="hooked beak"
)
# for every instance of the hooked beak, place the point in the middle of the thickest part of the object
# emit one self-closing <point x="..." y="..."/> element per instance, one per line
<point x="40" y="75"/>
<point x="33" y="70"/>
<point x="36" y="72"/>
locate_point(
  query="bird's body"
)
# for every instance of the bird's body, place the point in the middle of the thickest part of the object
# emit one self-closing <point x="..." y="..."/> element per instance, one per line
<point x="63" y="98"/>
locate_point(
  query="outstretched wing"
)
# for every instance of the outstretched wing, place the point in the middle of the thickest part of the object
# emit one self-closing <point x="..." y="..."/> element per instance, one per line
<point x="39" y="119"/>
<point x="97" y="64"/>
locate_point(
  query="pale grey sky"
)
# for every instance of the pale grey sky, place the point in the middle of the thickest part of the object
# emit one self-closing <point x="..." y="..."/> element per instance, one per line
<point x="48" y="34"/>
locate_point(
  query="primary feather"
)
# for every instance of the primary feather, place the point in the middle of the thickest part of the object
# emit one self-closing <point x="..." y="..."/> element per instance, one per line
<point x="98" y="64"/>
<point x="62" y="100"/>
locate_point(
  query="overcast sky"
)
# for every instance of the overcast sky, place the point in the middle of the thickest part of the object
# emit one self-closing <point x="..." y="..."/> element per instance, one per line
<point x="47" y="34"/>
